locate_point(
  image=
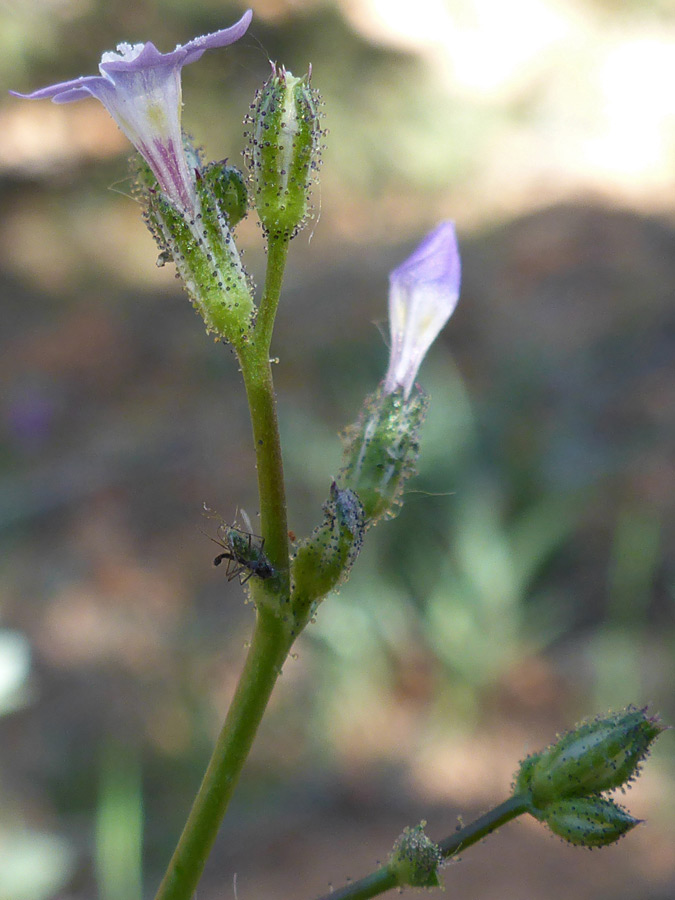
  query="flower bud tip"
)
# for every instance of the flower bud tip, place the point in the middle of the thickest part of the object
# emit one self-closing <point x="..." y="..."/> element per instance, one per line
<point x="423" y="294"/>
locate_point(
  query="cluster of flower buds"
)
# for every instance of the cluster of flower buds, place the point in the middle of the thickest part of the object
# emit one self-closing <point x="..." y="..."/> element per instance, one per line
<point x="381" y="448"/>
<point x="283" y="152"/>
<point x="141" y="89"/>
<point x="192" y="209"/>
<point x="563" y="784"/>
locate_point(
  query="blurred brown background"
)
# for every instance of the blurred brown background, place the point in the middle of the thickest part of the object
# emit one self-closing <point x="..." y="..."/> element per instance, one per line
<point x="525" y="583"/>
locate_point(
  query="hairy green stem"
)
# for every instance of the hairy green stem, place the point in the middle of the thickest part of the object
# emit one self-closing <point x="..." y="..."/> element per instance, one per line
<point x="483" y="826"/>
<point x="384" y="879"/>
<point x="254" y="358"/>
<point x="257" y="372"/>
<point x="273" y="635"/>
<point x="376" y="883"/>
<point x="277" y="251"/>
<point x="269" y="648"/>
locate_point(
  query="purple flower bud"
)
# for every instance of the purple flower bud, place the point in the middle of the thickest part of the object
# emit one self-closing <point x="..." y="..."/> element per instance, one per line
<point x="141" y="89"/>
<point x="423" y="293"/>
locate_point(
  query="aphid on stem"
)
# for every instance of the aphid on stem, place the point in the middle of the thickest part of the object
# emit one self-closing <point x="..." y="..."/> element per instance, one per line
<point x="243" y="550"/>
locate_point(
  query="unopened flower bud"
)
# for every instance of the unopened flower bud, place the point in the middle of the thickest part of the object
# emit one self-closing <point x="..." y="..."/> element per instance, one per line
<point x="599" y="755"/>
<point x="423" y="294"/>
<point x="283" y="151"/>
<point x="415" y="859"/>
<point x="324" y="559"/>
<point x="381" y="448"/>
<point x="588" y="821"/>
<point x="229" y="189"/>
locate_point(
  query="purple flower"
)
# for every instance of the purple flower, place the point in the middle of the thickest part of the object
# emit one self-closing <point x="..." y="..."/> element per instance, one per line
<point x="141" y="89"/>
<point x="423" y="293"/>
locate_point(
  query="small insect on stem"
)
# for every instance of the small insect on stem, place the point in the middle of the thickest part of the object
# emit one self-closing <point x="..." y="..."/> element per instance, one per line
<point x="242" y="550"/>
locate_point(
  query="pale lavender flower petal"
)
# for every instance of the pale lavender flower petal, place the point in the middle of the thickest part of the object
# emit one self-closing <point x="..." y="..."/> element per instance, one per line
<point x="141" y="89"/>
<point x="423" y="293"/>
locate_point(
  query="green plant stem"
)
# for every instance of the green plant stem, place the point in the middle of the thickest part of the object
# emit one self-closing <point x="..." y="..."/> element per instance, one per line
<point x="273" y="635"/>
<point x="376" y="883"/>
<point x="269" y="648"/>
<point x="254" y="358"/>
<point x="277" y="252"/>
<point x="384" y="879"/>
<point x="483" y="826"/>
<point x="257" y="372"/>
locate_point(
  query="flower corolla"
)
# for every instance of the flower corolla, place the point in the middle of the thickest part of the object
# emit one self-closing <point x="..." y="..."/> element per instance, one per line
<point x="141" y="89"/>
<point x="423" y="293"/>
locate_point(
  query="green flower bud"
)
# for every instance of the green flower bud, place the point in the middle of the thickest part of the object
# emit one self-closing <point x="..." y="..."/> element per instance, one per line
<point x="415" y="859"/>
<point x="325" y="558"/>
<point x="229" y="189"/>
<point x="381" y="448"/>
<point x="205" y="254"/>
<point x="598" y="755"/>
<point x="588" y="821"/>
<point x="283" y="152"/>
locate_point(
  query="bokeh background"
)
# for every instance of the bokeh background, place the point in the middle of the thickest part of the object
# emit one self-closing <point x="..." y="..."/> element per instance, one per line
<point x="525" y="583"/>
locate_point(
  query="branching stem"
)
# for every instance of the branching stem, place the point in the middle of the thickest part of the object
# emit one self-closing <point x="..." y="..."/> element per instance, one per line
<point x="384" y="879"/>
<point x="254" y="358"/>
<point x="273" y="635"/>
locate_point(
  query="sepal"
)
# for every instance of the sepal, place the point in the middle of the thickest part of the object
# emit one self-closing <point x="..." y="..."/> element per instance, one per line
<point x="381" y="449"/>
<point x="204" y="252"/>
<point x="415" y="859"/>
<point x="324" y="559"/>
